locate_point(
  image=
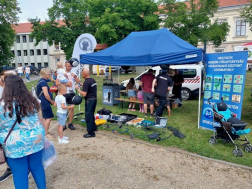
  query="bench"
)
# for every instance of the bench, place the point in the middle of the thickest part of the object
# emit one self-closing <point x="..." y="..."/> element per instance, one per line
<point x="122" y="100"/>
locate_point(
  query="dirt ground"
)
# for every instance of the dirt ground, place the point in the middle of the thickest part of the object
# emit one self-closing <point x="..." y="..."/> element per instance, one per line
<point x="112" y="162"/>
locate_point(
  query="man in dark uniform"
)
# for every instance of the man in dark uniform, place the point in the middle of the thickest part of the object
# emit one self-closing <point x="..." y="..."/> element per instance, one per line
<point x="163" y="83"/>
<point x="89" y="92"/>
<point x="177" y="86"/>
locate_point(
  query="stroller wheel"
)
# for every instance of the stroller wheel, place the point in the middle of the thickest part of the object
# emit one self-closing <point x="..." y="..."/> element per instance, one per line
<point x="237" y="152"/>
<point x="212" y="141"/>
<point x="248" y="148"/>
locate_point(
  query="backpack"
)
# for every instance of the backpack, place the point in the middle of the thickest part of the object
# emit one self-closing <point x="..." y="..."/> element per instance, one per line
<point x="34" y="91"/>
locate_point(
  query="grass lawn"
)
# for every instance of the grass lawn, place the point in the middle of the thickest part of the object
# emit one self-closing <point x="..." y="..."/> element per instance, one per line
<point x="186" y="119"/>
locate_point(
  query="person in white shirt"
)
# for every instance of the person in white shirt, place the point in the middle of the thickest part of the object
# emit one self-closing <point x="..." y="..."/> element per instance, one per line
<point x="70" y="91"/>
<point x="61" y="73"/>
<point x="60" y="103"/>
<point x="27" y="72"/>
<point x="20" y="70"/>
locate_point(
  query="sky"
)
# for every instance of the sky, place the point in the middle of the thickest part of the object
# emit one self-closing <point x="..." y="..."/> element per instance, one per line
<point x="33" y="8"/>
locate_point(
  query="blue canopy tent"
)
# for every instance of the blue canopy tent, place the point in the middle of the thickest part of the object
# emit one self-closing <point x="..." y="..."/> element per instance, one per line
<point x="146" y="48"/>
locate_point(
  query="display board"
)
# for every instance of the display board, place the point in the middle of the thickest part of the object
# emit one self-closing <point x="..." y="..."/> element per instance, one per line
<point x="225" y="78"/>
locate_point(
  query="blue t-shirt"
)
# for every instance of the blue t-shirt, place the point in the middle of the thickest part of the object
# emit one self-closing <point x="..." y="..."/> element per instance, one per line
<point x="25" y="139"/>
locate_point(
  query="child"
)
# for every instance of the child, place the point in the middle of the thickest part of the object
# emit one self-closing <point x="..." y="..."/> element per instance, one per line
<point x="61" y="73"/>
<point x="140" y="98"/>
<point x="131" y="88"/>
<point x="60" y="103"/>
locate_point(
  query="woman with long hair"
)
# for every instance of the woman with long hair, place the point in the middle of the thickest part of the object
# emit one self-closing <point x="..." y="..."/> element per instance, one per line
<point x="131" y="88"/>
<point x="23" y="148"/>
<point x="44" y="94"/>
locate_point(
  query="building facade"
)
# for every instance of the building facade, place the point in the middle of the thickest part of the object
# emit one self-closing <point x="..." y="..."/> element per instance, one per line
<point x="239" y="31"/>
<point x="26" y="52"/>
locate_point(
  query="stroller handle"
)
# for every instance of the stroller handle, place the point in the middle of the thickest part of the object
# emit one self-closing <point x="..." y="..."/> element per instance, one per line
<point x="208" y="100"/>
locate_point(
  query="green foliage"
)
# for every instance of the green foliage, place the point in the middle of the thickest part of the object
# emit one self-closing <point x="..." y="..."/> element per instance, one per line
<point x="109" y="21"/>
<point x="75" y="22"/>
<point x="115" y="19"/>
<point x="247" y="14"/>
<point x="8" y="16"/>
<point x="190" y="21"/>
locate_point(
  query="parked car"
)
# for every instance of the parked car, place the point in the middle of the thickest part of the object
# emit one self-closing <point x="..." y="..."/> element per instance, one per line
<point x="5" y="67"/>
<point x="191" y="73"/>
<point x="119" y="69"/>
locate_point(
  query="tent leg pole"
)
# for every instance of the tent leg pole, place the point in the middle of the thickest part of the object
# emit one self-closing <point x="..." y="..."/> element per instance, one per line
<point x="199" y="101"/>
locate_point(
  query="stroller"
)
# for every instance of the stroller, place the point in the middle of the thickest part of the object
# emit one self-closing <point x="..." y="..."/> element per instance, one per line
<point x="231" y="128"/>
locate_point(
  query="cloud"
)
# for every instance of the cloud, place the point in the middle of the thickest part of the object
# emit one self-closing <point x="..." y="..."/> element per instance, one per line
<point x="33" y="9"/>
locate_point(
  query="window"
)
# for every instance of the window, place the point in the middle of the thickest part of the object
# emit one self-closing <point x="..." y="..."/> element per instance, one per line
<point x="25" y="52"/>
<point x="26" y="64"/>
<point x="30" y="39"/>
<point x="31" y="52"/>
<point x="38" y="52"/>
<point x="13" y="65"/>
<point x="18" y="39"/>
<point x="45" y="51"/>
<point x="188" y="73"/>
<point x="19" y="52"/>
<point x="219" y="50"/>
<point x="39" y="65"/>
<point x="32" y="64"/>
<point x="240" y="28"/>
<point x="13" y="52"/>
<point x="221" y="21"/>
<point x="46" y="64"/>
<point x="44" y="39"/>
<point x="24" y="38"/>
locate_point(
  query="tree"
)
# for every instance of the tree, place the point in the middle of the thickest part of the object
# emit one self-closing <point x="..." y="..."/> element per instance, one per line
<point x="68" y="19"/>
<point x="8" y="17"/>
<point x="247" y="14"/>
<point x="191" y="21"/>
<point x="116" y="19"/>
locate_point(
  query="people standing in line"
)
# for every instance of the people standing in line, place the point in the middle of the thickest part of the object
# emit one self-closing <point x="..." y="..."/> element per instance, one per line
<point x="148" y="95"/>
<point x="44" y="94"/>
<point x="177" y="85"/>
<point x="23" y="148"/>
<point x="140" y="98"/>
<point x="131" y="88"/>
<point x="89" y="92"/>
<point x="27" y="72"/>
<point x="72" y="77"/>
<point x="60" y="103"/>
<point x="163" y="83"/>
<point x="4" y="74"/>
<point x="20" y="70"/>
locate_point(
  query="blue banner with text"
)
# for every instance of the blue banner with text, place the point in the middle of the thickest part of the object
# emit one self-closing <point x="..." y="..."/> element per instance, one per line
<point x="225" y="79"/>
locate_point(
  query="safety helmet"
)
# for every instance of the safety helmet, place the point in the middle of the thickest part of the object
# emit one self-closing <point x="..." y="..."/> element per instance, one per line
<point x="76" y="100"/>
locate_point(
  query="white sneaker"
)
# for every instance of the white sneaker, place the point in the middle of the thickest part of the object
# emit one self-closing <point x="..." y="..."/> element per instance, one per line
<point x="65" y="137"/>
<point x="63" y="141"/>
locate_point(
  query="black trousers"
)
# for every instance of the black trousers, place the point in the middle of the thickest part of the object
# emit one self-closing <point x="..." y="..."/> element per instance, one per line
<point x="90" y="106"/>
<point x="161" y="107"/>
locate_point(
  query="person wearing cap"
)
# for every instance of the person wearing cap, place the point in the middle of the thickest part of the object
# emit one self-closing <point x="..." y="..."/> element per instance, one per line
<point x="70" y="93"/>
<point x="89" y="92"/>
<point x="163" y="83"/>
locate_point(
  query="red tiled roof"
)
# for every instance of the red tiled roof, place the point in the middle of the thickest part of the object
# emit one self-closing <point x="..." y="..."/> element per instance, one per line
<point x="226" y="3"/>
<point x="27" y="27"/>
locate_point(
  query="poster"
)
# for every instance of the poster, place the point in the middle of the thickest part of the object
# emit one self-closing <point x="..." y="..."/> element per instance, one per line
<point x="225" y="79"/>
<point x="107" y="95"/>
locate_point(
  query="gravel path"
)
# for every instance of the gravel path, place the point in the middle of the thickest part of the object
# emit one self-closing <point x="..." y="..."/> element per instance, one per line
<point x="116" y="162"/>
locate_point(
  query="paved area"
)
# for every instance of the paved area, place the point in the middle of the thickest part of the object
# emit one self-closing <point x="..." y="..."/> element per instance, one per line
<point x="111" y="162"/>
